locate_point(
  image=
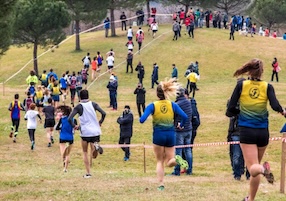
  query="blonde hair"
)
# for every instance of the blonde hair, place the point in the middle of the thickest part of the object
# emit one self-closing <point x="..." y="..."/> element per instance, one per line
<point x="168" y="88"/>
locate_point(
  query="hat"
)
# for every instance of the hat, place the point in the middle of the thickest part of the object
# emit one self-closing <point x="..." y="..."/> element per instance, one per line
<point x="127" y="107"/>
<point x="112" y="77"/>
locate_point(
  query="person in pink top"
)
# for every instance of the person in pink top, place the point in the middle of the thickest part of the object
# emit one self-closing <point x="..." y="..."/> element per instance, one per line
<point x="275" y="69"/>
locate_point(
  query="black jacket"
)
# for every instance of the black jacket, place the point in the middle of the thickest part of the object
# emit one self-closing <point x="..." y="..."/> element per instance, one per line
<point x="126" y="124"/>
<point x="140" y="95"/>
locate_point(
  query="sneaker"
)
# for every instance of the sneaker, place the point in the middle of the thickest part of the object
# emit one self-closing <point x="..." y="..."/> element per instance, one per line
<point x="126" y="158"/>
<point x="11" y="134"/>
<point x="181" y="162"/>
<point x="161" y="188"/>
<point x="49" y="144"/>
<point x="98" y="148"/>
<point x="86" y="176"/>
<point x="33" y="145"/>
<point x="183" y="171"/>
<point x="237" y="178"/>
<point x="267" y="173"/>
<point x="245" y="199"/>
<point x="52" y="140"/>
<point x="65" y="170"/>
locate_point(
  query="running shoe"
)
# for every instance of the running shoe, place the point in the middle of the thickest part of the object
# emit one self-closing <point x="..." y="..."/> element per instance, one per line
<point x="181" y="162"/>
<point x="49" y="144"/>
<point x="86" y="176"/>
<point x="245" y="199"/>
<point x="14" y="139"/>
<point x="126" y="158"/>
<point x="33" y="145"/>
<point x="161" y="188"/>
<point x="11" y="134"/>
<point x="267" y="173"/>
<point x="65" y="170"/>
<point x="98" y="148"/>
<point x="52" y="140"/>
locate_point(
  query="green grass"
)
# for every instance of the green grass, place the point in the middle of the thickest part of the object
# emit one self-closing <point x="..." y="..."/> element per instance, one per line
<point x="38" y="175"/>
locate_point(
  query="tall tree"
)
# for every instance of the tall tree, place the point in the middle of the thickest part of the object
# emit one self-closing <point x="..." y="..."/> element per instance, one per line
<point x="88" y="11"/>
<point x="228" y="6"/>
<point x="269" y="12"/>
<point x="6" y="24"/>
<point x="40" y="22"/>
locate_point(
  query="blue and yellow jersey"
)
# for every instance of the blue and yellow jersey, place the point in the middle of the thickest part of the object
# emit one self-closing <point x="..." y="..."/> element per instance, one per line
<point x="55" y="90"/>
<point x="163" y="115"/>
<point x="253" y="104"/>
<point x="163" y="112"/>
<point x="39" y="95"/>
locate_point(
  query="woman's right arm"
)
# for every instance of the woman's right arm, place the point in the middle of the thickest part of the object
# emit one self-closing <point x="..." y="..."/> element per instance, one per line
<point x="149" y="110"/>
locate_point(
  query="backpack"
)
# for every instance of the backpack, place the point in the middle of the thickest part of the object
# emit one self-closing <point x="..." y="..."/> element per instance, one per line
<point x="140" y="38"/>
<point x="29" y="101"/>
<point x="99" y="60"/>
<point x="84" y="74"/>
<point x="73" y="82"/>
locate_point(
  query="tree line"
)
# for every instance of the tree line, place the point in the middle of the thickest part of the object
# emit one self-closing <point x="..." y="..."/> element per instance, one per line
<point x="35" y="23"/>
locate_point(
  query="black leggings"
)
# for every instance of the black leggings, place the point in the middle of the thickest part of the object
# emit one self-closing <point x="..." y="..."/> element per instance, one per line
<point x="31" y="133"/>
<point x="15" y="123"/>
<point x="276" y="74"/>
<point x="139" y="105"/>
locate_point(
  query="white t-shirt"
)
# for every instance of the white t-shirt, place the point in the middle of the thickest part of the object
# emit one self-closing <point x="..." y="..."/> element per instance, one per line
<point x="154" y="26"/>
<point x="110" y="61"/>
<point x="31" y="117"/>
<point x="129" y="33"/>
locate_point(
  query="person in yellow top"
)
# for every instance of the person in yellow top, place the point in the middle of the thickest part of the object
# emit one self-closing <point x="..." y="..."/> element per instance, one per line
<point x="43" y="78"/>
<point x="32" y="78"/>
<point x="164" y="137"/>
<point x="55" y="91"/>
<point x="193" y="78"/>
<point x="38" y="98"/>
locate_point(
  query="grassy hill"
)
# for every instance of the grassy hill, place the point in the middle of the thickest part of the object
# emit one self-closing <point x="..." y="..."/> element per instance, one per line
<point x="37" y="175"/>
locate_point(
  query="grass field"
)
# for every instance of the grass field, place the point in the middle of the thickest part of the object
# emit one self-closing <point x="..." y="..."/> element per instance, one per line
<point x="38" y="175"/>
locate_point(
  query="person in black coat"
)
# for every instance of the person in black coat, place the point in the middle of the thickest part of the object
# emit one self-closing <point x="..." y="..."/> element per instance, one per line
<point x="126" y="129"/>
<point x="140" y="98"/>
<point x="155" y="75"/>
<point x="141" y="72"/>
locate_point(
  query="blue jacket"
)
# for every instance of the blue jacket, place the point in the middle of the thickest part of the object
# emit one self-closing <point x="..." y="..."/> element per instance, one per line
<point x="106" y="24"/>
<point x="175" y="73"/>
<point x="112" y="86"/>
<point x="186" y="106"/>
<point x="155" y="75"/>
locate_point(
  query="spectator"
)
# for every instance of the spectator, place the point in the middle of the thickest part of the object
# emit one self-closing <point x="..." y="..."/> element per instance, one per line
<point x="266" y="32"/>
<point x="126" y="129"/>
<point x="183" y="136"/>
<point x="106" y="26"/>
<point x="155" y="75"/>
<point x="140" y="98"/>
<point x="284" y="36"/>
<point x="141" y="72"/>
<point x="274" y="34"/>
<point x="112" y="87"/>
<point x="193" y="78"/>
<point x="175" y="71"/>
<point x="123" y="21"/>
<point x="275" y="69"/>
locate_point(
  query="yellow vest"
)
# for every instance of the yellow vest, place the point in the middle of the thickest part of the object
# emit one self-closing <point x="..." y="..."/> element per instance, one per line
<point x="163" y="114"/>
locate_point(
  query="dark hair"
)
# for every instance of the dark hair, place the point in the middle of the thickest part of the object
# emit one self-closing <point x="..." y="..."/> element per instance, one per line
<point x="44" y="71"/>
<point x="66" y="110"/>
<point x="16" y="96"/>
<point x="28" y="93"/>
<point x="253" y="68"/>
<point x="32" y="73"/>
<point x="160" y="92"/>
<point x="50" y="100"/>
<point x="83" y="94"/>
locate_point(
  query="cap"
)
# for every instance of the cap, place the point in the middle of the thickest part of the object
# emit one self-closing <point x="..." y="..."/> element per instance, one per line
<point x="127" y="107"/>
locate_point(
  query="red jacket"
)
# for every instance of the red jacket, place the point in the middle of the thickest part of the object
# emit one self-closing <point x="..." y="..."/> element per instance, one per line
<point x="187" y="21"/>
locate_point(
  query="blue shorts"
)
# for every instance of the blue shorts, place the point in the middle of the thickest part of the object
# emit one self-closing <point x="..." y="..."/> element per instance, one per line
<point x="164" y="138"/>
<point x="56" y="98"/>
